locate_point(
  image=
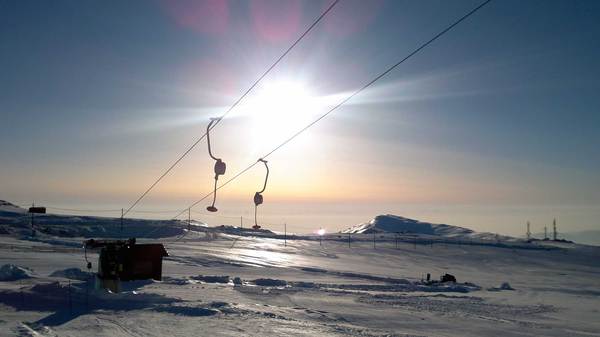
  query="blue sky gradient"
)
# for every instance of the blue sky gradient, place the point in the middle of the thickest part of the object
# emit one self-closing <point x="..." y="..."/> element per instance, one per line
<point x="97" y="98"/>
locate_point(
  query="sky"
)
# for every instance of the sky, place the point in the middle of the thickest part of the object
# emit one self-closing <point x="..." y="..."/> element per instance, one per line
<point x="493" y="125"/>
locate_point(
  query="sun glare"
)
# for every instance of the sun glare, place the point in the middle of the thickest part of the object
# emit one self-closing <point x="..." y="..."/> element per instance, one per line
<point x="280" y="109"/>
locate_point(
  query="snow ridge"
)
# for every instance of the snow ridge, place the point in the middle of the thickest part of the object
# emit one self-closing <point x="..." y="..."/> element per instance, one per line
<point x="389" y="223"/>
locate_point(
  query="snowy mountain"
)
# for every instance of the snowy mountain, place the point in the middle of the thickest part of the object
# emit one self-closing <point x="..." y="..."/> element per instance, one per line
<point x="396" y="224"/>
<point x="7" y="207"/>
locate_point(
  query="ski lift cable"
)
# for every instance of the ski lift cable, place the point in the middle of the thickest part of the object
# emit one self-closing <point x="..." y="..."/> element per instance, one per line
<point x="98" y="210"/>
<point x="215" y="215"/>
<point x="76" y="209"/>
<point x="364" y="87"/>
<point x="164" y="211"/>
<point x="310" y="28"/>
<point x="83" y="210"/>
<point x="158" y="211"/>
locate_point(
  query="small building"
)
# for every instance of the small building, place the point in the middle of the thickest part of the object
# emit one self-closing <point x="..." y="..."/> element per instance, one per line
<point x="122" y="260"/>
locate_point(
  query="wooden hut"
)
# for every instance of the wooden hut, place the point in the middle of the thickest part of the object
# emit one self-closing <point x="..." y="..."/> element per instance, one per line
<point x="125" y="260"/>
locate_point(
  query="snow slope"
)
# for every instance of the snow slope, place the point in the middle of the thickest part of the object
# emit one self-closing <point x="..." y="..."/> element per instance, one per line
<point x="8" y="208"/>
<point x="226" y="281"/>
<point x="237" y="285"/>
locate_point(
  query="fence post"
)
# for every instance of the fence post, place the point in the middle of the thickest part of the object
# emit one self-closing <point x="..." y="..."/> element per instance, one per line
<point x="374" y="240"/>
<point x="70" y="300"/>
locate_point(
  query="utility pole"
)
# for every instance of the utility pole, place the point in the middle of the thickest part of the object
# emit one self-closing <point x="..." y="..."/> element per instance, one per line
<point x="528" y="231"/>
<point x="555" y="234"/>
<point x="121" y="219"/>
<point x="241" y="222"/>
<point x="545" y="232"/>
<point x="32" y="228"/>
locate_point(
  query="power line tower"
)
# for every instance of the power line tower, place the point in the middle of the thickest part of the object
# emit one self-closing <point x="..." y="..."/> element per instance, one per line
<point x="554" y="234"/>
<point x="528" y="231"/>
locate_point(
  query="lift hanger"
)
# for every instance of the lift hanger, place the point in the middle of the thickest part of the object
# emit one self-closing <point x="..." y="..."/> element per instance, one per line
<point x="219" y="165"/>
<point x="258" y="198"/>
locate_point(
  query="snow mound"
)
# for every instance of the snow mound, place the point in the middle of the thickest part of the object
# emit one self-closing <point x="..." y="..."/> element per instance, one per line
<point x="72" y="273"/>
<point x="396" y="224"/>
<point x="212" y="278"/>
<point x="11" y="272"/>
<point x="53" y="288"/>
<point x="268" y="282"/>
<point x="503" y="286"/>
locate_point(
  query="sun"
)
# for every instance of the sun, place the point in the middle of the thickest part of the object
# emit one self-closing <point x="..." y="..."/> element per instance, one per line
<point x="284" y="100"/>
<point x="279" y="109"/>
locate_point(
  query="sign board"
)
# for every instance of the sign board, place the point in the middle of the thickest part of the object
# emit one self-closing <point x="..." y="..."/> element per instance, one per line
<point x="40" y="210"/>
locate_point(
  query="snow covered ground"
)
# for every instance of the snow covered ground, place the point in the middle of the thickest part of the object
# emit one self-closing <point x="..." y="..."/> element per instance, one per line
<point x="223" y="284"/>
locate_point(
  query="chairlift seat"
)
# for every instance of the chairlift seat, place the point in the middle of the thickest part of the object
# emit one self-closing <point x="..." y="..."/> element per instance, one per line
<point x="258" y="199"/>
<point x="220" y="167"/>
